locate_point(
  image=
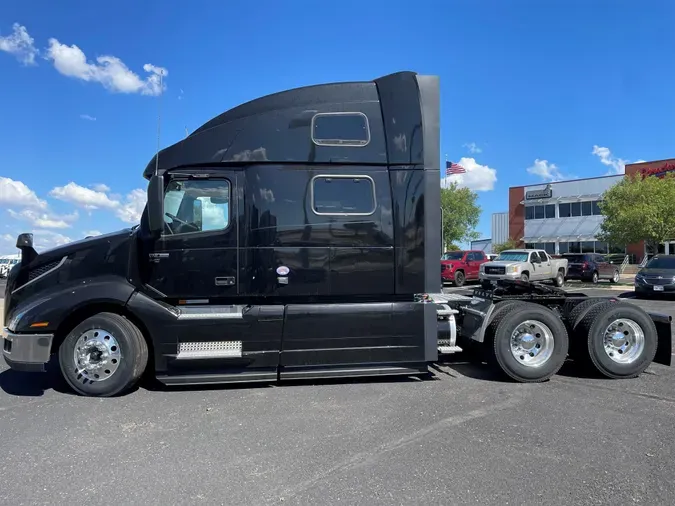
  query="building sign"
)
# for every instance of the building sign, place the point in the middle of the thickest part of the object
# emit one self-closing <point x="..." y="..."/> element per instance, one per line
<point x="545" y="193"/>
<point x="657" y="171"/>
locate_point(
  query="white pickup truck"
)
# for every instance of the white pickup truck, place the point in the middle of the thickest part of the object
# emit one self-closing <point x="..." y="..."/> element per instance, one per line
<point x="526" y="265"/>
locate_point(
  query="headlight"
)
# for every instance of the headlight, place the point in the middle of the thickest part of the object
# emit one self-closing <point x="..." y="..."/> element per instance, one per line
<point x="512" y="269"/>
<point x="482" y="267"/>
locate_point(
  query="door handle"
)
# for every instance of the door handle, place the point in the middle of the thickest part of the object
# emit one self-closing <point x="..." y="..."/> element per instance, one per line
<point x="156" y="257"/>
<point x="225" y="281"/>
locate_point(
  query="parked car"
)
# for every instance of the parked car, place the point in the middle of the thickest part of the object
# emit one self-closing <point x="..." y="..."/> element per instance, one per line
<point x="492" y="256"/>
<point x="658" y="275"/>
<point x="6" y="263"/>
<point x="525" y="265"/>
<point x="460" y="266"/>
<point x="591" y="267"/>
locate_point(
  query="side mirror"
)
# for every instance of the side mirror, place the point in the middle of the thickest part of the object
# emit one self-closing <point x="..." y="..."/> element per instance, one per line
<point x="156" y="204"/>
<point x="25" y="243"/>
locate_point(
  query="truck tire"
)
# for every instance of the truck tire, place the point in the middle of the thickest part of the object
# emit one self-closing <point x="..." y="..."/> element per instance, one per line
<point x="577" y="313"/>
<point x="621" y="339"/>
<point x="530" y="343"/>
<point x="559" y="280"/>
<point x="103" y="356"/>
<point x="459" y="278"/>
<point x="573" y="317"/>
<point x="525" y="277"/>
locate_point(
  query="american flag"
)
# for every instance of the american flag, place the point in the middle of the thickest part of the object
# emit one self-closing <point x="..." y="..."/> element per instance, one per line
<point x="453" y="168"/>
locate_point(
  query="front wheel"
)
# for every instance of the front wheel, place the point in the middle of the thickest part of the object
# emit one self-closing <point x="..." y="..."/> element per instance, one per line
<point x="459" y="278"/>
<point x="524" y="277"/>
<point x="530" y="343"/>
<point x="595" y="278"/>
<point x="615" y="277"/>
<point x="103" y="356"/>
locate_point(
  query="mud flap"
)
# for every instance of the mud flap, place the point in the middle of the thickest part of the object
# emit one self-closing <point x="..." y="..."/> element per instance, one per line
<point x="664" y="350"/>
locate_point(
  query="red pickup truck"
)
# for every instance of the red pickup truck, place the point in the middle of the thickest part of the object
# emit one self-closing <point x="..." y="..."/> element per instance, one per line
<point x="460" y="266"/>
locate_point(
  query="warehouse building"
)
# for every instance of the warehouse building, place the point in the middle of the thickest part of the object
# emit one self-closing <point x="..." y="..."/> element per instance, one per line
<point x="564" y="216"/>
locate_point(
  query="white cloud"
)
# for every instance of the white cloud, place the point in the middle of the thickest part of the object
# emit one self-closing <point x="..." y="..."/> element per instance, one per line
<point x="127" y="209"/>
<point x="16" y="193"/>
<point x="47" y="239"/>
<point x="44" y="220"/>
<point x="477" y="177"/>
<point x="92" y="233"/>
<point x="100" y="187"/>
<point x="83" y="197"/>
<point x="109" y="71"/>
<point x="545" y="170"/>
<point x="617" y="165"/>
<point x="130" y="211"/>
<point x="19" y="44"/>
<point x="87" y="117"/>
<point x="473" y="148"/>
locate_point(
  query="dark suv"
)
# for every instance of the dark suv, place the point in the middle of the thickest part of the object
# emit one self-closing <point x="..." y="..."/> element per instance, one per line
<point x="591" y="267"/>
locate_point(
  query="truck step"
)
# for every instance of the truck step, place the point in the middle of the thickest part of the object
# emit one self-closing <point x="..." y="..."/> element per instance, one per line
<point x="209" y="349"/>
<point x="447" y="350"/>
<point x="211" y="312"/>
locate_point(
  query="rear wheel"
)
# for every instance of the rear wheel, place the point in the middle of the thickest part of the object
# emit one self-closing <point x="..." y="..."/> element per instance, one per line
<point x="459" y="278"/>
<point x="615" y="277"/>
<point x="529" y="342"/>
<point x="621" y="339"/>
<point x="559" y="280"/>
<point x="103" y="356"/>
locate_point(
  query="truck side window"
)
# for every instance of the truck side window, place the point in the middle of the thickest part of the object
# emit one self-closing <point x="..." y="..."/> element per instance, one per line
<point x="340" y="129"/>
<point x="343" y="195"/>
<point x="196" y="206"/>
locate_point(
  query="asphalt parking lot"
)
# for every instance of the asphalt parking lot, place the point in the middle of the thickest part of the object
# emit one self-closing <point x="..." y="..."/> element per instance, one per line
<point x="465" y="437"/>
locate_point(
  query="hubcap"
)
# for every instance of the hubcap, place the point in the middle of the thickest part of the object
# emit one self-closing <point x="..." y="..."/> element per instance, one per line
<point x="96" y="356"/>
<point x="532" y="343"/>
<point x="616" y="276"/>
<point x="624" y="341"/>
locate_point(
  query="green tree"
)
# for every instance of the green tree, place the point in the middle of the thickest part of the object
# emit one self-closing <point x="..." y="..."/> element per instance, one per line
<point x="460" y="214"/>
<point x="509" y="244"/>
<point x="639" y="209"/>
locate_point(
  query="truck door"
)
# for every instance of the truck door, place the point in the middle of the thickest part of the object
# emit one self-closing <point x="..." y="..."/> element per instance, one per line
<point x="197" y="256"/>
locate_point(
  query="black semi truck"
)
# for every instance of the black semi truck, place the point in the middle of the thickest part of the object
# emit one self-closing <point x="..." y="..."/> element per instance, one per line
<point x="298" y="236"/>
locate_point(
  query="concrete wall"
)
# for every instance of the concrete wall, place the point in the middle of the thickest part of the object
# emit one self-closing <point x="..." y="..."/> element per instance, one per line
<point x="500" y="227"/>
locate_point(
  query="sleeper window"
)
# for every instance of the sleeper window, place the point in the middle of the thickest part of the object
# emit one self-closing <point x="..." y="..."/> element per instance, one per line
<point x="343" y="195"/>
<point x="196" y="206"/>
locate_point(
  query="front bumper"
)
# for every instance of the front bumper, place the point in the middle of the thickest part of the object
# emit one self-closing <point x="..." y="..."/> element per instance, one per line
<point x="496" y="277"/>
<point x="26" y="352"/>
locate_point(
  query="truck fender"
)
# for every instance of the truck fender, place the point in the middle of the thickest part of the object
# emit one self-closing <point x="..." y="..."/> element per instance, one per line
<point x="53" y="306"/>
<point x="664" y="347"/>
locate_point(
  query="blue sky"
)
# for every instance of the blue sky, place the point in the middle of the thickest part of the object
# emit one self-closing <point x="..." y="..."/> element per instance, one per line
<point x="531" y="91"/>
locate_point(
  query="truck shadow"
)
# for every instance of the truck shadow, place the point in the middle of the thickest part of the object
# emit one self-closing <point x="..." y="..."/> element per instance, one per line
<point x="29" y="384"/>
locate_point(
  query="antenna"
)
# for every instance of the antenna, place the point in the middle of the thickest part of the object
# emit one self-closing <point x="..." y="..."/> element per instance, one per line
<point x="159" y="119"/>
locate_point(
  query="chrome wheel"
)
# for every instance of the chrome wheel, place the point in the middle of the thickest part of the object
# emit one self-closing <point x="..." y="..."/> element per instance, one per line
<point x="96" y="356"/>
<point x="532" y="343"/>
<point x="616" y="277"/>
<point x="624" y="341"/>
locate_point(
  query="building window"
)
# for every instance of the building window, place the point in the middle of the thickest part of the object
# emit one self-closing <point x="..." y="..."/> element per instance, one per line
<point x="548" y="247"/>
<point x="540" y="212"/>
<point x="596" y="208"/>
<point x="587" y="208"/>
<point x="343" y="195"/>
<point x="588" y="246"/>
<point x="563" y="248"/>
<point x="601" y="247"/>
<point x="564" y="211"/>
<point x="576" y="208"/>
<point x="574" y="247"/>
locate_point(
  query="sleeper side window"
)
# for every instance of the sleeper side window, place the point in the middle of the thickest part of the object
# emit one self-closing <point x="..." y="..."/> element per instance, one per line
<point x="343" y="195"/>
<point x="196" y="206"/>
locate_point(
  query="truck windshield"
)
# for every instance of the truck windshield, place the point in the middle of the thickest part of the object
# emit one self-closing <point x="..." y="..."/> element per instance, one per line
<point x="512" y="256"/>
<point x="453" y="255"/>
<point x="661" y="263"/>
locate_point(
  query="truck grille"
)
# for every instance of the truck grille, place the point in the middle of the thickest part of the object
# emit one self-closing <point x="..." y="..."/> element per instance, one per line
<point x="654" y="280"/>
<point x="495" y="270"/>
